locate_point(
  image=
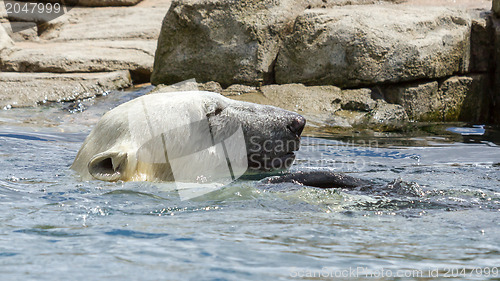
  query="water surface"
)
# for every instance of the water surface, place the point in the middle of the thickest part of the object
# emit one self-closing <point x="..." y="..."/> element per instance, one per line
<point x="433" y="209"/>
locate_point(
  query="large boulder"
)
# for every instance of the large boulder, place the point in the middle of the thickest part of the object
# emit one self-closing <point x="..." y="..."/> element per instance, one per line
<point x="223" y="40"/>
<point x="352" y="46"/>
<point x="227" y="41"/>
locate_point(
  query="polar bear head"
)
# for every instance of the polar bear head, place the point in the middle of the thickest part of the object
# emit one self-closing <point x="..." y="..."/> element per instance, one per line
<point x="191" y="136"/>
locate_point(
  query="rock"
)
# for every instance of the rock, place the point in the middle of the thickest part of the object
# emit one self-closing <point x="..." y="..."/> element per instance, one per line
<point x="231" y="42"/>
<point x="459" y="98"/>
<point x="96" y="3"/>
<point x="120" y="24"/>
<point x="359" y="108"/>
<point x="465" y="98"/>
<point x="29" y="89"/>
<point x="328" y="105"/>
<point x="386" y="114"/>
<point x="86" y="50"/>
<point x="77" y="41"/>
<point x="481" y="41"/>
<point x="314" y="103"/>
<point x="321" y="105"/>
<point x="25" y="31"/>
<point x="211" y="86"/>
<point x="94" y="56"/>
<point x="179" y="87"/>
<point x="352" y="46"/>
<point x="420" y="100"/>
<point x="496" y="7"/>
<point x="237" y="89"/>
<point x="5" y="41"/>
<point x="357" y="100"/>
<point x="299" y="98"/>
<point x="188" y="85"/>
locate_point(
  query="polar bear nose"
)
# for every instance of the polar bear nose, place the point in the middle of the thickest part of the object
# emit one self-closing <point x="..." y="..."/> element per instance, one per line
<point x="297" y="125"/>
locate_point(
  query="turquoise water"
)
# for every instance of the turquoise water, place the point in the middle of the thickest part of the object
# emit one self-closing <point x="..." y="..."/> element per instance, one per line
<point x="433" y="210"/>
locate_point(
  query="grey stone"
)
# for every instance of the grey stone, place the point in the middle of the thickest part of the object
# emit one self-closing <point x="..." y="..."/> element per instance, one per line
<point x="465" y="98"/>
<point x="327" y="105"/>
<point x="87" y="51"/>
<point x="420" y="100"/>
<point x="458" y="98"/>
<point x="358" y="108"/>
<point x="314" y="103"/>
<point x="231" y="42"/>
<point x="352" y="46"/>
<point x="386" y="114"/>
<point x="211" y="86"/>
<point x="321" y="105"/>
<point x="188" y="85"/>
<point x="30" y="89"/>
<point x="106" y="24"/>
<point x="179" y="87"/>
<point x="238" y="89"/>
<point x="357" y="100"/>
<point x="93" y="56"/>
<point x="300" y="98"/>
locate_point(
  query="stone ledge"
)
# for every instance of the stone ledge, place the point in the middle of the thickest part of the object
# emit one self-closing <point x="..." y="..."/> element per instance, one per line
<point x="94" y="56"/>
<point x="30" y="89"/>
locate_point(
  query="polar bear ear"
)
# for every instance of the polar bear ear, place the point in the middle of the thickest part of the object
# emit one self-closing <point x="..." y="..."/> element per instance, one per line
<point x="108" y="165"/>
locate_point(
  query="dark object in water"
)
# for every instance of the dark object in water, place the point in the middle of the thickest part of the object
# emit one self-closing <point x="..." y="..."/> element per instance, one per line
<point x="322" y="179"/>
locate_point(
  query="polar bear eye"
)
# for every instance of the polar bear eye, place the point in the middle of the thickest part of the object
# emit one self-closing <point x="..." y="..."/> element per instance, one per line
<point x="215" y="112"/>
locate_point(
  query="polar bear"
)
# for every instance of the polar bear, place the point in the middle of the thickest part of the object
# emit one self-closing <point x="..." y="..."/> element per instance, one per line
<point x="193" y="136"/>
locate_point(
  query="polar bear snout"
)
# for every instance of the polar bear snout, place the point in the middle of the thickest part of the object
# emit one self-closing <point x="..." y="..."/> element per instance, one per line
<point x="272" y="144"/>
